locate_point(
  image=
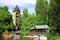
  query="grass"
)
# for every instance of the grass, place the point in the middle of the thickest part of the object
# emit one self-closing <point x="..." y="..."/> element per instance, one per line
<point x="25" y="38"/>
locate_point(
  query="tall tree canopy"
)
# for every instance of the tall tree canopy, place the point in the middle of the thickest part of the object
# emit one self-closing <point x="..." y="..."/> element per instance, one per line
<point x="57" y="15"/>
<point x="5" y="18"/>
<point x="42" y="10"/>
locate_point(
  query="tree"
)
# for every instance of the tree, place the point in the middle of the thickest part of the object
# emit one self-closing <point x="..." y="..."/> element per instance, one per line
<point x="54" y="16"/>
<point x="28" y="21"/>
<point x="5" y="18"/>
<point x="57" y="15"/>
<point x="42" y="10"/>
<point x="25" y="13"/>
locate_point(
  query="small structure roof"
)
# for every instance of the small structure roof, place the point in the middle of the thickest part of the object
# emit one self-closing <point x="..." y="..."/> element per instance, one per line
<point x="40" y="27"/>
<point x="16" y="9"/>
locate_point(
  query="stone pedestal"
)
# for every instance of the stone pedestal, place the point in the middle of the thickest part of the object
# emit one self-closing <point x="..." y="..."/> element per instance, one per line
<point x="43" y="38"/>
<point x="16" y="37"/>
<point x="36" y="38"/>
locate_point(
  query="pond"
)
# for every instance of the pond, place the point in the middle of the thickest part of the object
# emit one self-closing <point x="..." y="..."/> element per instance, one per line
<point x="21" y="38"/>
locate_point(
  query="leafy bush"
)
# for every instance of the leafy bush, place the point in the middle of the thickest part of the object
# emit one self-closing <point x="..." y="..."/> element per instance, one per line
<point x="6" y="32"/>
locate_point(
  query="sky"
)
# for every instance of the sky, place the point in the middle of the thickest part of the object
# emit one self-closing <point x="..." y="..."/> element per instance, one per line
<point x="29" y="4"/>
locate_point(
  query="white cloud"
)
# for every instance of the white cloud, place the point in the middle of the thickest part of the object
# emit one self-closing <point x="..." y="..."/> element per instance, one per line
<point x="12" y="3"/>
<point x="29" y="1"/>
<point x="29" y="4"/>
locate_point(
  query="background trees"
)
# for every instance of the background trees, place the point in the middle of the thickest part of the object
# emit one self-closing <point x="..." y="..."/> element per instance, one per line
<point x="46" y="13"/>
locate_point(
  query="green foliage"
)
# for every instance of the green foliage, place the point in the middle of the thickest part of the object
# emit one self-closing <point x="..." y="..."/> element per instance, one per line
<point x="5" y="18"/>
<point x="57" y="15"/>
<point x="6" y="32"/>
<point x="28" y="21"/>
<point x="42" y="10"/>
<point x="49" y="14"/>
<point x="25" y="13"/>
<point x="54" y="16"/>
<point x="25" y="38"/>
